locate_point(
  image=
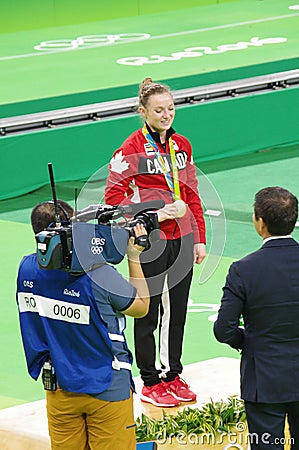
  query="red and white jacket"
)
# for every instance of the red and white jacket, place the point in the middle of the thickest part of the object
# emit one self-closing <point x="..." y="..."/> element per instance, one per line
<point x="136" y="176"/>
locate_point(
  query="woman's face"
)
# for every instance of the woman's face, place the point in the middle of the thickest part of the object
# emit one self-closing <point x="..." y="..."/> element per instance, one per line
<point x="159" y="112"/>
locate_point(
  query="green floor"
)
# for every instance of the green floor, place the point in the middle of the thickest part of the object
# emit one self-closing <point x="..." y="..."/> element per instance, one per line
<point x="228" y="40"/>
<point x="235" y="180"/>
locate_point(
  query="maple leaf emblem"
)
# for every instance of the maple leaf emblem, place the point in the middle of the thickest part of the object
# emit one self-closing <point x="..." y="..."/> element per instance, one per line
<point x="118" y="164"/>
<point x="175" y="145"/>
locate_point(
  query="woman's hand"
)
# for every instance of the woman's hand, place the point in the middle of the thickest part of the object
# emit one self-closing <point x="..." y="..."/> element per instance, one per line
<point x="172" y="211"/>
<point x="199" y="251"/>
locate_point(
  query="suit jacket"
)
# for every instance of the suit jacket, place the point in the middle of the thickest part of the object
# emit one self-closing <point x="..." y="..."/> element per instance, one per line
<point x="263" y="287"/>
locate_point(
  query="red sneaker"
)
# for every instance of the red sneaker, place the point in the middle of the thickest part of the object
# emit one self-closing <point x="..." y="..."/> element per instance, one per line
<point x="180" y="390"/>
<point x="158" y="395"/>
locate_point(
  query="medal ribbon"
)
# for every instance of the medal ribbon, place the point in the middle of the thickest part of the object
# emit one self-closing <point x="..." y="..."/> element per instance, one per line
<point x="172" y="181"/>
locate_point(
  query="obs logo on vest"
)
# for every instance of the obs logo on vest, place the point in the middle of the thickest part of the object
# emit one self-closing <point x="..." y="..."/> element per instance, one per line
<point x="97" y="245"/>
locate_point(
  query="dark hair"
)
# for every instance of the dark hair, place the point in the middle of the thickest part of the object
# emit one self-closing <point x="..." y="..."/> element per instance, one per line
<point x="278" y="208"/>
<point x="43" y="214"/>
<point x="148" y="88"/>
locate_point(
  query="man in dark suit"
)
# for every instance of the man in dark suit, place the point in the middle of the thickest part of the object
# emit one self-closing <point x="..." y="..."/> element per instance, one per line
<point x="263" y="288"/>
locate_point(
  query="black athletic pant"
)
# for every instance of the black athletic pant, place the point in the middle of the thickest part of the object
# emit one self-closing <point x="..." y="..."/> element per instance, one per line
<point x="168" y="267"/>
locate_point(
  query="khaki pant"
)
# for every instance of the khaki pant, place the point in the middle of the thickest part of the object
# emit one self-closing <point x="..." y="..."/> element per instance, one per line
<point x="82" y="422"/>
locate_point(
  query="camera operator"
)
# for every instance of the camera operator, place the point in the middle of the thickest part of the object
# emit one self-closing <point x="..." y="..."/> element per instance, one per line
<point x="72" y="327"/>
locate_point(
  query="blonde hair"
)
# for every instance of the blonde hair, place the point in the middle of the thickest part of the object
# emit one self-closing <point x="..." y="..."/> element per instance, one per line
<point x="148" y="88"/>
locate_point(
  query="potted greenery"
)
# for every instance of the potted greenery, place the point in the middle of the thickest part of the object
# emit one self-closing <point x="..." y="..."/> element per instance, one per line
<point x="215" y="425"/>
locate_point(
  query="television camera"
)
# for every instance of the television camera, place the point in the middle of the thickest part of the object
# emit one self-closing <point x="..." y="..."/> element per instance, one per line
<point x="76" y="245"/>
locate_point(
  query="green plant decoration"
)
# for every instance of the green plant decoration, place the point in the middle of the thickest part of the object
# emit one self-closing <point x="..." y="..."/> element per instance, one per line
<point x="213" y="418"/>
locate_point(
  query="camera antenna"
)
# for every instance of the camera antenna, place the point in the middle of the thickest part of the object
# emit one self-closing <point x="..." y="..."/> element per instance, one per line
<point x="76" y="203"/>
<point x="57" y="216"/>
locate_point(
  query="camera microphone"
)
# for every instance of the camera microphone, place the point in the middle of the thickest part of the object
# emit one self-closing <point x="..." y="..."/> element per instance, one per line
<point x="134" y="208"/>
<point x="93" y="212"/>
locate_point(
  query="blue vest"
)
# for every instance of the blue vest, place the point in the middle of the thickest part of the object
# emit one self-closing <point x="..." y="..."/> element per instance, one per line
<point x="59" y="317"/>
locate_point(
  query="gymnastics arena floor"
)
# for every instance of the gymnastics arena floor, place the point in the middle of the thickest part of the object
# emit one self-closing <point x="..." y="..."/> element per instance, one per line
<point x="52" y="68"/>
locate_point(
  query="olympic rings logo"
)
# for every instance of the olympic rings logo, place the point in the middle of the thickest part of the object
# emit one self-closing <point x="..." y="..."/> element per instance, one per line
<point x="96" y="250"/>
<point x="93" y="40"/>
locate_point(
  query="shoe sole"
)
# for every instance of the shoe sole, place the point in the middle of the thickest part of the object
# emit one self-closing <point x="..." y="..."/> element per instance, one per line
<point x="150" y="400"/>
<point x="181" y="398"/>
